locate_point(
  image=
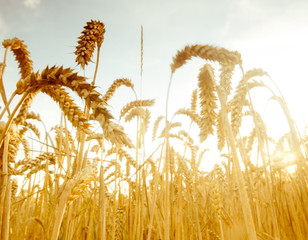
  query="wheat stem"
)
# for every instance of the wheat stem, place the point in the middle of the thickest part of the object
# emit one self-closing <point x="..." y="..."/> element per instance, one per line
<point x="6" y="107"/>
<point x="5" y="180"/>
<point x="250" y="226"/>
<point x="96" y="66"/>
<point x="9" y="122"/>
<point x="167" y="98"/>
<point x="61" y="209"/>
<point x="141" y="62"/>
<point x="2" y="89"/>
<point x="6" y="215"/>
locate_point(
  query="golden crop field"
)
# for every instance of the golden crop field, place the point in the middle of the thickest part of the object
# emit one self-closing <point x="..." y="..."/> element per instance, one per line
<point x="87" y="179"/>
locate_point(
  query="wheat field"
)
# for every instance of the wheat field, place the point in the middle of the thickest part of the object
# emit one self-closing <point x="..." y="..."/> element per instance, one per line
<point x="88" y="179"/>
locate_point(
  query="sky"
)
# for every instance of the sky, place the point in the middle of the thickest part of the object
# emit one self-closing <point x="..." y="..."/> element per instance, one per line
<point x="270" y="34"/>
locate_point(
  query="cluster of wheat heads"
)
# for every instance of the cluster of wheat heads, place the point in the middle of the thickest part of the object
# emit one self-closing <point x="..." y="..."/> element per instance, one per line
<point x="223" y="110"/>
<point x="87" y="184"/>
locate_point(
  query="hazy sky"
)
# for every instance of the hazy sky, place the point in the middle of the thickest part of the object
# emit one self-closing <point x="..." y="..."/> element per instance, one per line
<point x="271" y="34"/>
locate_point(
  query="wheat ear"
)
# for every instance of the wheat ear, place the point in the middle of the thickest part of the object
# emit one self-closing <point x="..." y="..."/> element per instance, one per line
<point x="190" y="113"/>
<point x="207" y="101"/>
<point x="92" y="35"/>
<point x="34" y="116"/>
<point x="226" y="73"/>
<point x="137" y="103"/>
<point x="68" y="106"/>
<point x="186" y="135"/>
<point x="221" y="55"/>
<point x="66" y="77"/>
<point x="238" y="100"/>
<point x="143" y="113"/>
<point x="194" y="100"/>
<point x="21" y="53"/>
<point x="155" y="127"/>
<point x="221" y="135"/>
<point x="34" y="129"/>
<point x="168" y="127"/>
<point x="23" y="112"/>
<point x="115" y="85"/>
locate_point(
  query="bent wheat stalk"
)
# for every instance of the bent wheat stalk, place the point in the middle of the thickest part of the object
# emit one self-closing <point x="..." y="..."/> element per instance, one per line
<point x="6" y="107"/>
<point x="10" y="120"/>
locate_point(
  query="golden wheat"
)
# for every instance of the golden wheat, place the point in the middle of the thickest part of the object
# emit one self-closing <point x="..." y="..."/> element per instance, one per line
<point x="186" y="135"/>
<point x="74" y="114"/>
<point x="67" y="78"/>
<point x="168" y="194"/>
<point x="134" y="104"/>
<point x="238" y="100"/>
<point x="226" y="74"/>
<point x="115" y="85"/>
<point x="21" y="54"/>
<point x="24" y="109"/>
<point x="92" y="34"/>
<point x="169" y="126"/>
<point x="221" y="55"/>
<point x="191" y="114"/>
<point x="207" y="101"/>
<point x="221" y="135"/>
<point x="155" y="127"/>
<point x="194" y="99"/>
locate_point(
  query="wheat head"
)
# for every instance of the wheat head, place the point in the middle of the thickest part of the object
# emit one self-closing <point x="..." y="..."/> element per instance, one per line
<point x="92" y="35"/>
<point x="221" y="55"/>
